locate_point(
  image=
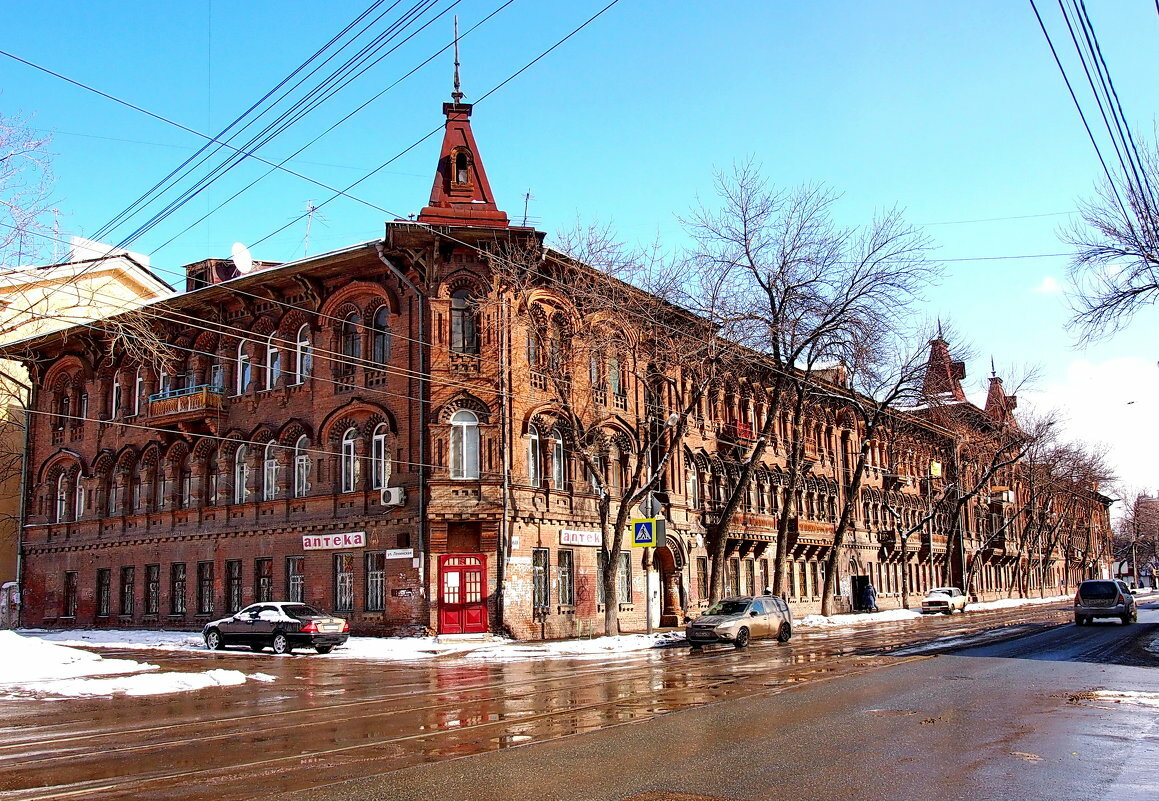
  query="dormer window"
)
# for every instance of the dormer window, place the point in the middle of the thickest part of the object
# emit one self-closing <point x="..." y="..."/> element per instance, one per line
<point x="461" y="159"/>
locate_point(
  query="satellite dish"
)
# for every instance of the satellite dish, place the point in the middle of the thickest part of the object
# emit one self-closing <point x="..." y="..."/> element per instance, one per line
<point x="242" y="258"/>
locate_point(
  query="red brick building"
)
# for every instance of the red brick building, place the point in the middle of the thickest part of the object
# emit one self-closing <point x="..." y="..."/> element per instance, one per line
<point x="358" y="431"/>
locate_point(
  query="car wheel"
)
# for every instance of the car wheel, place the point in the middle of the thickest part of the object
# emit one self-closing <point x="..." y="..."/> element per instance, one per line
<point x="742" y="638"/>
<point x="963" y="609"/>
<point x="785" y="633"/>
<point x="697" y="646"/>
<point x="213" y="640"/>
<point x="1078" y="620"/>
<point x="949" y="610"/>
<point x="1126" y="619"/>
<point x="281" y="644"/>
<point x="323" y="649"/>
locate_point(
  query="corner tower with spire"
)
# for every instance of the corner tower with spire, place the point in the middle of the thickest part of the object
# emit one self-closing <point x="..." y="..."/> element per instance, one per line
<point x="461" y="194"/>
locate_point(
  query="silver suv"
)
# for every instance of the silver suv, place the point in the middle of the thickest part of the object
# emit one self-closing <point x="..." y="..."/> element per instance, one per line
<point x="738" y="620"/>
<point x="1104" y="598"/>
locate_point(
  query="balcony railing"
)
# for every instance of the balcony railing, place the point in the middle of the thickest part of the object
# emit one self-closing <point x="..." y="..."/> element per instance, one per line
<point x="188" y="402"/>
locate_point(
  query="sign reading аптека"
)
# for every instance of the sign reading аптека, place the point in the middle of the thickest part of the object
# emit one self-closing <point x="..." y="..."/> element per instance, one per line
<point x="322" y="542"/>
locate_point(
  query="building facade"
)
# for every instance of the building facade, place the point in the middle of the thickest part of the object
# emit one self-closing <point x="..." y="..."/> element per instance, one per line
<point x="369" y="431"/>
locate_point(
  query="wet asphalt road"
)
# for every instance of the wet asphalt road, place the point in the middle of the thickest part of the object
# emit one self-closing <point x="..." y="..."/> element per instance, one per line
<point x="849" y="715"/>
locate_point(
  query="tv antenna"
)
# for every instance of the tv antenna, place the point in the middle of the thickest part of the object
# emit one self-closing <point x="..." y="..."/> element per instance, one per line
<point x="526" y="202"/>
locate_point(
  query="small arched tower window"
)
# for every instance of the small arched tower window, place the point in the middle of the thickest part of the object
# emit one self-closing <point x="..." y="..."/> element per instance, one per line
<point x="462" y="164"/>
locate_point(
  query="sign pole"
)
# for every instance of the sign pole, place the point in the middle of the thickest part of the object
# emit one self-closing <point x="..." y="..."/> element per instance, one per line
<point x="648" y="587"/>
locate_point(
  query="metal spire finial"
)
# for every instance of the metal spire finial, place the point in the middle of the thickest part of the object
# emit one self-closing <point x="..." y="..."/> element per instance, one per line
<point x="993" y="371"/>
<point x="457" y="95"/>
<point x="939" y="328"/>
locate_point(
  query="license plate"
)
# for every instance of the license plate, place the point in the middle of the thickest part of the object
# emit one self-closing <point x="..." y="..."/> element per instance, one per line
<point x="329" y="627"/>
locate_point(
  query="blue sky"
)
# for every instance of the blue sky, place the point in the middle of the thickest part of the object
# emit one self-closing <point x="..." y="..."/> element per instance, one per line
<point x="953" y="111"/>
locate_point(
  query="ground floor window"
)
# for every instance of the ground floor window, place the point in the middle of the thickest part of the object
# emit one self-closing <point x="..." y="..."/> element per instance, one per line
<point x="103" y="579"/>
<point x="70" y="594"/>
<point x="540" y="560"/>
<point x="702" y="577"/>
<point x="734" y="576"/>
<point x="296" y="579"/>
<point x="205" y="588"/>
<point x="375" y="582"/>
<point x="263" y="580"/>
<point x="750" y="568"/>
<point x="177" y="588"/>
<point x="127" y="590"/>
<point x="233" y="585"/>
<point x="625" y="577"/>
<point x="344" y="582"/>
<point x="152" y="589"/>
<point x="566" y="578"/>
<point x="766" y="585"/>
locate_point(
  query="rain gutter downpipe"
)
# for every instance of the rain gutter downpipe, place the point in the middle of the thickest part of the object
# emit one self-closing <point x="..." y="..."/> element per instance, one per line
<point x="424" y="567"/>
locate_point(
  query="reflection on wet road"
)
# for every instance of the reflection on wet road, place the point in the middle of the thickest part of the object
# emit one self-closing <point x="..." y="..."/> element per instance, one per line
<point x="327" y="720"/>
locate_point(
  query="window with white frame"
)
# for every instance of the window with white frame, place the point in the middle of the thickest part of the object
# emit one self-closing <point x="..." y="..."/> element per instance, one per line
<point x="301" y="467"/>
<point x="270" y="471"/>
<point x="61" y="499"/>
<point x="273" y="361"/>
<point x="380" y="457"/>
<point x="243" y="367"/>
<point x="558" y="460"/>
<point x="349" y="461"/>
<point x="533" y="456"/>
<point x="464" y="445"/>
<point x="116" y="400"/>
<point x="380" y="336"/>
<point x="241" y="474"/>
<point x="78" y="498"/>
<point x="303" y="355"/>
<point x="138" y="390"/>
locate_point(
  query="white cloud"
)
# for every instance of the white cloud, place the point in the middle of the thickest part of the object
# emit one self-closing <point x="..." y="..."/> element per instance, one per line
<point x="1049" y="286"/>
<point x="1115" y="404"/>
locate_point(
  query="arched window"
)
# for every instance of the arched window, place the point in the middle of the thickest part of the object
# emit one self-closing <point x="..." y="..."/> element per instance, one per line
<point x="138" y="390"/>
<point x="78" y="498"/>
<point x="380" y="336"/>
<point x="61" y="499"/>
<point x="241" y="474"/>
<point x="351" y="341"/>
<point x="243" y="367"/>
<point x="64" y="410"/>
<point x="301" y="467"/>
<point x="379" y="457"/>
<point x="115" y="399"/>
<point x="303" y="355"/>
<point x="614" y="383"/>
<point x="273" y="361"/>
<point x="462" y="165"/>
<point x="534" y="476"/>
<point x="693" y="487"/>
<point x="349" y="466"/>
<point x="270" y="472"/>
<point x="558" y="460"/>
<point x="533" y="349"/>
<point x="464" y="445"/>
<point x="464" y="337"/>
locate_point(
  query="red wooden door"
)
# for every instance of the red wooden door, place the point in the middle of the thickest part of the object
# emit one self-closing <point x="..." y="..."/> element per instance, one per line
<point x="463" y="594"/>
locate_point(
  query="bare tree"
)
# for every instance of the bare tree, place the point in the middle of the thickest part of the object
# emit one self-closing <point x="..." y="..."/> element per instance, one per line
<point x="1137" y="532"/>
<point x="1115" y="267"/>
<point x="25" y="183"/>
<point x="592" y="347"/>
<point x="806" y="295"/>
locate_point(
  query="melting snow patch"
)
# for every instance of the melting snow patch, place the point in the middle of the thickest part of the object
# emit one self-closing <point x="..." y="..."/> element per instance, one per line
<point x="35" y="668"/>
<point x="1126" y="697"/>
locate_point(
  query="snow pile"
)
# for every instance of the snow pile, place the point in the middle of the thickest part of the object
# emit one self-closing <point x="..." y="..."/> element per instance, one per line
<point x="113" y="638"/>
<point x="1126" y="697"/>
<point x="33" y="667"/>
<point x="597" y="647"/>
<point x="819" y="621"/>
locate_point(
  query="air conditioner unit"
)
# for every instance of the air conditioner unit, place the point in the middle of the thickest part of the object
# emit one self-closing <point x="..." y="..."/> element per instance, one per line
<point x="393" y="496"/>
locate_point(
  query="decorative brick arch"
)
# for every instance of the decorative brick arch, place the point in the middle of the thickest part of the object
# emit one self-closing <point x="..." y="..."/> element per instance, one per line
<point x="464" y="400"/>
<point x="291" y="431"/>
<point x="356" y="295"/>
<point x="353" y="415"/>
<point x="63" y="461"/>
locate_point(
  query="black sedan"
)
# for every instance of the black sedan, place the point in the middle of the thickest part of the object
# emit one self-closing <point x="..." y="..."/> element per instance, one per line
<point x="280" y="625"/>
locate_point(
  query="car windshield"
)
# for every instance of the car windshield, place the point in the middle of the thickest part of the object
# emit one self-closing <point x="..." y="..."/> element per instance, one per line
<point x="1098" y="589"/>
<point x="729" y="606"/>
<point x="302" y="611"/>
<point x="942" y="591"/>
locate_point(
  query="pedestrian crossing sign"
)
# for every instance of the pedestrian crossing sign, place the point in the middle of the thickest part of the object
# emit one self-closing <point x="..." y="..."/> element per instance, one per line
<point x="644" y="533"/>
